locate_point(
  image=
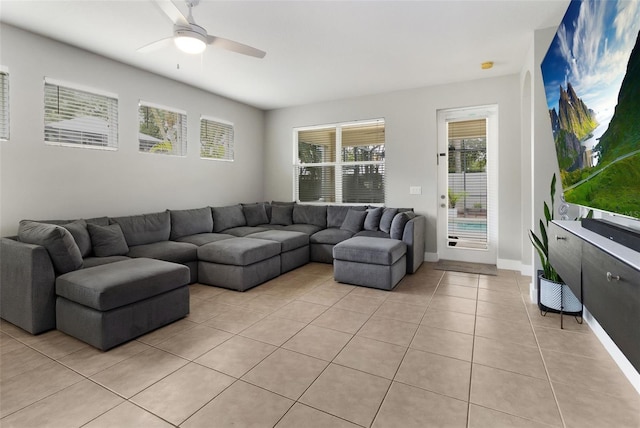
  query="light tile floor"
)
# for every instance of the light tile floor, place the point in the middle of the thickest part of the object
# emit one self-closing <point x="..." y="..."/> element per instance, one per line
<point x="444" y="349"/>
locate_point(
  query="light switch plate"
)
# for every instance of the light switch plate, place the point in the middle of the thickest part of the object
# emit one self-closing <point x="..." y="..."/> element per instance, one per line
<point x="415" y="190"/>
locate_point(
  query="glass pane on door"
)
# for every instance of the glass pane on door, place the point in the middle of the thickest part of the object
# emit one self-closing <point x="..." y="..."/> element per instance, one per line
<point x="467" y="184"/>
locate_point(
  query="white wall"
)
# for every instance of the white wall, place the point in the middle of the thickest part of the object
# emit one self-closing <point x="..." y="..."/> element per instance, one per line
<point x="411" y="148"/>
<point x="538" y="141"/>
<point x="39" y="181"/>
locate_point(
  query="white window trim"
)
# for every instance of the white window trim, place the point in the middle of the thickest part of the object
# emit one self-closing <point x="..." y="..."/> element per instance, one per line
<point x="224" y="122"/>
<point x="5" y="70"/>
<point x="79" y="87"/>
<point x="162" y="107"/>
<point x="93" y="91"/>
<point x="338" y="162"/>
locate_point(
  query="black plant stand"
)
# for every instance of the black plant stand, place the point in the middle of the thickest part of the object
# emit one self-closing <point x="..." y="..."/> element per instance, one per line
<point x="545" y="309"/>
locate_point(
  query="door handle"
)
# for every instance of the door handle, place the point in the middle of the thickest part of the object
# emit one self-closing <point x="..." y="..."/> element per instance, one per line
<point x="612" y="277"/>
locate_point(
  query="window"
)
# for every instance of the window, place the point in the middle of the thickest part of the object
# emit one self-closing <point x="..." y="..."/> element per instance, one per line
<point x="341" y="163"/>
<point x="79" y="117"/>
<point x="162" y="130"/>
<point x="4" y="105"/>
<point x="216" y="139"/>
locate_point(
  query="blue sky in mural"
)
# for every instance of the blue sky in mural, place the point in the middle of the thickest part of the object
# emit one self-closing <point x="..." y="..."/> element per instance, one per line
<point x="591" y="50"/>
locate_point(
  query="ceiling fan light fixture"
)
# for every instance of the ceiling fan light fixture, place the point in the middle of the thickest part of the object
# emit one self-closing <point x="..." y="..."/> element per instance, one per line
<point x="190" y="45"/>
<point x="190" y="41"/>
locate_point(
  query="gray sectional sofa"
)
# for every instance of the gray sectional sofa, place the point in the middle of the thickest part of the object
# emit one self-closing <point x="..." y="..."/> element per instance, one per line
<point x="218" y="245"/>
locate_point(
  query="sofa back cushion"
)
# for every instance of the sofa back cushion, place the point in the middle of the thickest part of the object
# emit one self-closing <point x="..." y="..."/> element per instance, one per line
<point x="354" y="221"/>
<point x="227" y="217"/>
<point x="310" y="214"/>
<point x="337" y="213"/>
<point x="145" y="228"/>
<point x="108" y="240"/>
<point x="256" y="214"/>
<point x="58" y="241"/>
<point x="190" y="222"/>
<point x="387" y="217"/>
<point x="399" y="222"/>
<point x="372" y="221"/>
<point x="78" y="230"/>
<point x="281" y="215"/>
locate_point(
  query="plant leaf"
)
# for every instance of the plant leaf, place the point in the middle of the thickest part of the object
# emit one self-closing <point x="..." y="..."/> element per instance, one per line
<point x="545" y="239"/>
<point x="553" y="194"/>
<point x="547" y="214"/>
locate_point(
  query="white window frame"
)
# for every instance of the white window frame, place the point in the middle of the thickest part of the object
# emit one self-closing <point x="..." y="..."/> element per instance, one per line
<point x="338" y="164"/>
<point x="182" y="130"/>
<point x="112" y="120"/>
<point x="231" y="145"/>
<point x="5" y="122"/>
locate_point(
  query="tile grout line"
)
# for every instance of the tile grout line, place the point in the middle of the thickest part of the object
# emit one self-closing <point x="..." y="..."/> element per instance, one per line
<point x="544" y="364"/>
<point x="375" y="416"/>
<point x="473" y="347"/>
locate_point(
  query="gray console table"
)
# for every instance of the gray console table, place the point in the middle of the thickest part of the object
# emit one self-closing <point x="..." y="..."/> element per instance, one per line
<point x="605" y="276"/>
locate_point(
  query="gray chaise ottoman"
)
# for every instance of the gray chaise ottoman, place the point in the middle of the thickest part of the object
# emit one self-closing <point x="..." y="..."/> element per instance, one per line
<point x="294" y="247"/>
<point x="238" y="263"/>
<point x="110" y="304"/>
<point x="370" y="262"/>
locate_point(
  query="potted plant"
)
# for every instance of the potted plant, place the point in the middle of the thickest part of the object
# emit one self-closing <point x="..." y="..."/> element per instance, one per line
<point x="453" y="200"/>
<point x="553" y="294"/>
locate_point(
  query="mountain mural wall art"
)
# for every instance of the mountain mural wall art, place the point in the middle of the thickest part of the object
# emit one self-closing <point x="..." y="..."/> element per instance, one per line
<point x="592" y="83"/>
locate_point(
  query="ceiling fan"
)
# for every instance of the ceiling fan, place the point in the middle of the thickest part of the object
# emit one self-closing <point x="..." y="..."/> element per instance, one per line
<point x="191" y="38"/>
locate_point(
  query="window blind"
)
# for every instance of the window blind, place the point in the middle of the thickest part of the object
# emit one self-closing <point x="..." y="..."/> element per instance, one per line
<point x="363" y="170"/>
<point x="79" y="118"/>
<point x="4" y="105"/>
<point x="216" y="140"/>
<point x="162" y="130"/>
<point x="341" y="163"/>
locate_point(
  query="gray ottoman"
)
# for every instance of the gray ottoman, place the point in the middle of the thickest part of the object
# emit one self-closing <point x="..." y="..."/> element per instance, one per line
<point x="238" y="263"/>
<point x="294" y="247"/>
<point x="110" y="304"/>
<point x="370" y="262"/>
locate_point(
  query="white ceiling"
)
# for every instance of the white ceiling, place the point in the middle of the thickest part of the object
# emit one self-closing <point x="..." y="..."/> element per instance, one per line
<point x="316" y="50"/>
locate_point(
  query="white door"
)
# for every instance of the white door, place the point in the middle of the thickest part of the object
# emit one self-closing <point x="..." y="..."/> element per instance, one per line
<point x="467" y="184"/>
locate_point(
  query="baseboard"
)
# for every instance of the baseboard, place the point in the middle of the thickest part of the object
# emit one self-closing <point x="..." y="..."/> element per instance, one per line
<point x="509" y="264"/>
<point x="526" y="270"/>
<point x="627" y="369"/>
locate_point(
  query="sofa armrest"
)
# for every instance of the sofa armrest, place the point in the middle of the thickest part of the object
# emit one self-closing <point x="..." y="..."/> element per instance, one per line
<point x="27" y="286"/>
<point x="413" y="236"/>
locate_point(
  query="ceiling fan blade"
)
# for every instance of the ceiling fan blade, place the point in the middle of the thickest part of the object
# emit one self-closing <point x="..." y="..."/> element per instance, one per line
<point x="174" y="14"/>
<point x="230" y="45"/>
<point x="157" y="45"/>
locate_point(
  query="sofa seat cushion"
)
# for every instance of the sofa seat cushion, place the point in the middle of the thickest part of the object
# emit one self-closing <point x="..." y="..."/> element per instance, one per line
<point x="238" y="251"/>
<point x="117" y="284"/>
<point x="244" y="230"/>
<point x="309" y="229"/>
<point x="169" y="251"/>
<point x="90" y="262"/>
<point x="288" y="240"/>
<point x="272" y="226"/>
<point x="377" y="251"/>
<point x="330" y="236"/>
<point x="204" y="238"/>
<point x="373" y="234"/>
